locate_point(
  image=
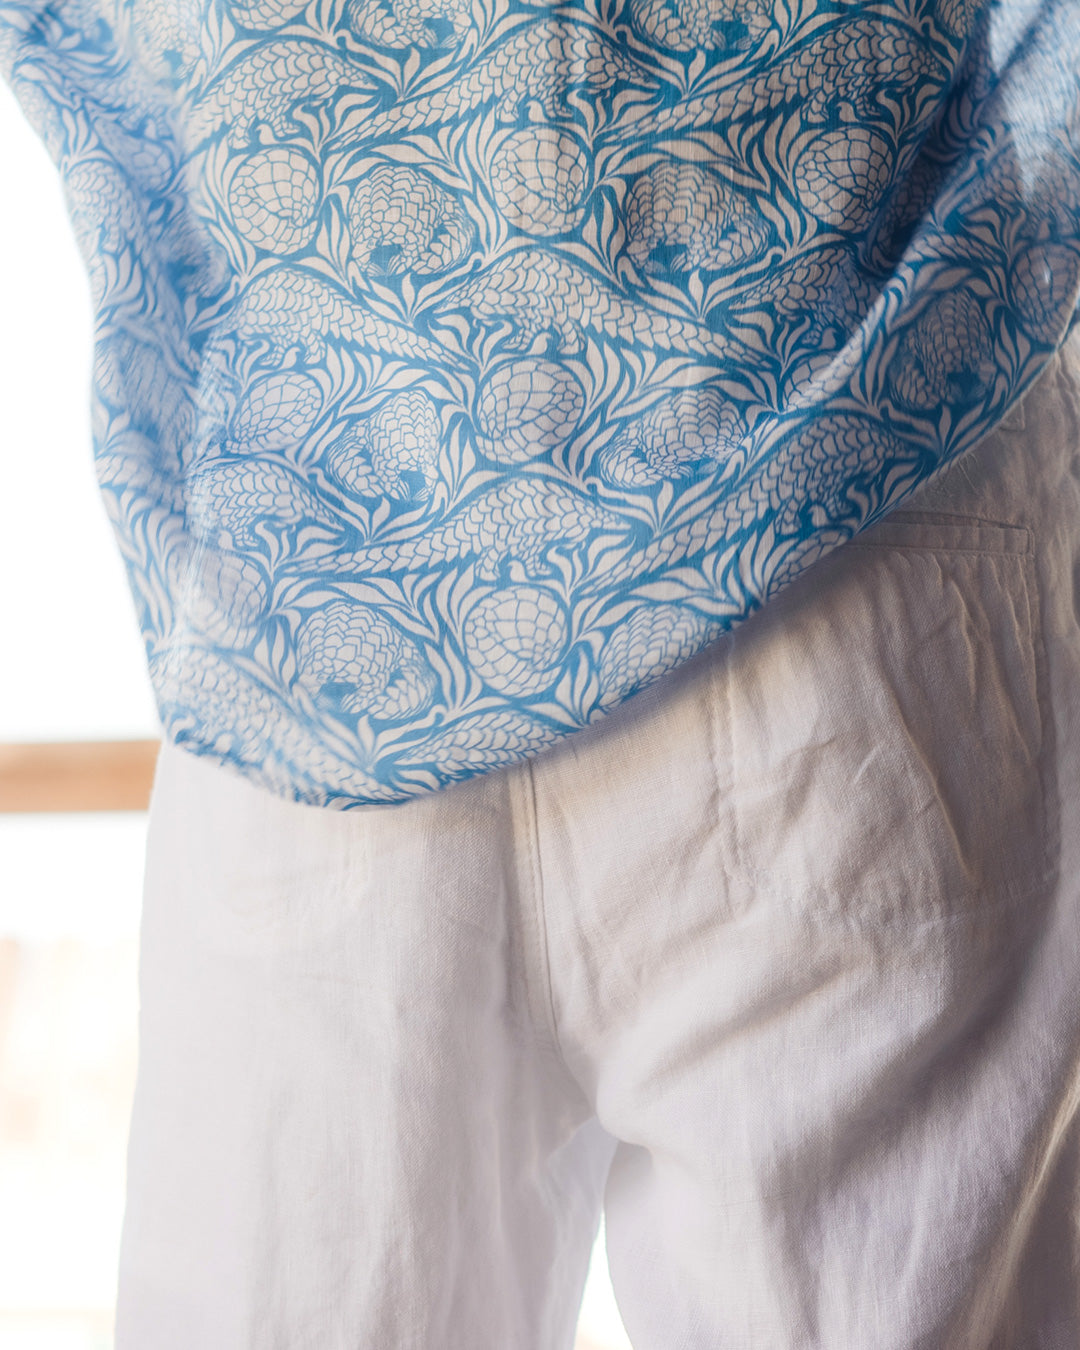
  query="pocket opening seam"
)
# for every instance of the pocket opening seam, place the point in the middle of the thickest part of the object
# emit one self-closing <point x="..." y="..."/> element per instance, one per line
<point x="914" y="531"/>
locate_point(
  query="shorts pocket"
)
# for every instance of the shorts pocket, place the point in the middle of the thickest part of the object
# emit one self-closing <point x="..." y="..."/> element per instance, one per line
<point x="881" y="724"/>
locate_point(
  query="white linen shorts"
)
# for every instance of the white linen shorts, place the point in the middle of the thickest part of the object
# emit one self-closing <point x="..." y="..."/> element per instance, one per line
<point x="779" y="966"/>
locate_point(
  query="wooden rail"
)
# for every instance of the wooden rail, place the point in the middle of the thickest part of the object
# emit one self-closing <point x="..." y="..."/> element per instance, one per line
<point x="76" y="775"/>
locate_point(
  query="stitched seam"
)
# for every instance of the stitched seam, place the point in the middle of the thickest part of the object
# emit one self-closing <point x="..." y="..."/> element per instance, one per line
<point x="894" y="525"/>
<point x="1048" y="760"/>
<point x="961" y="518"/>
<point x="550" y="1031"/>
<point x="930" y="546"/>
<point x="732" y="752"/>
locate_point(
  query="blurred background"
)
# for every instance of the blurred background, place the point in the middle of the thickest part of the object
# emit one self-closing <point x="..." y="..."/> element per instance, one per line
<point x="71" y="669"/>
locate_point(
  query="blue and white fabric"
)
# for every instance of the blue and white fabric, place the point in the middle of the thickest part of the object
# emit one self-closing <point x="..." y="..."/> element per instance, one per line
<point x="464" y="365"/>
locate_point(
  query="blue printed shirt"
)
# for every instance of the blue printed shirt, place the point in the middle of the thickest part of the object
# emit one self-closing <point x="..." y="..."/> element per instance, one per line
<point x="464" y="365"/>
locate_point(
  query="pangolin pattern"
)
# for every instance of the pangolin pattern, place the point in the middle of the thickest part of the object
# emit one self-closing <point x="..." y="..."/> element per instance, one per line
<point x="464" y="365"/>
